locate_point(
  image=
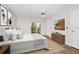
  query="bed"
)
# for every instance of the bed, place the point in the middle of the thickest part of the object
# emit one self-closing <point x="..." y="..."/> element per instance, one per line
<point x="28" y="43"/>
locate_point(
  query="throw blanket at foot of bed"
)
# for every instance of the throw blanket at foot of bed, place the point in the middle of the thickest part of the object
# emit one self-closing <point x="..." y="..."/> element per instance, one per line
<point x="30" y="42"/>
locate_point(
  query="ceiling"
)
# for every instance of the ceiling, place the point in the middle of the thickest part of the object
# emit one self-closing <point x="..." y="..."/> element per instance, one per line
<point x="34" y="10"/>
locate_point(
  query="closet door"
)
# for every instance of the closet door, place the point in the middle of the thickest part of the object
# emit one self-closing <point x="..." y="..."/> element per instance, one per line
<point x="74" y="29"/>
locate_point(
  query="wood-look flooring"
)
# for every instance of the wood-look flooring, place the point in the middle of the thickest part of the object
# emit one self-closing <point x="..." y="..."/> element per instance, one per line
<point x="56" y="48"/>
<point x="68" y="50"/>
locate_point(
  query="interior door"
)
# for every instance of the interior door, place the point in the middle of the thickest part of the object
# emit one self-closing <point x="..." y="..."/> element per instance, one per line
<point x="74" y="37"/>
<point x="74" y="29"/>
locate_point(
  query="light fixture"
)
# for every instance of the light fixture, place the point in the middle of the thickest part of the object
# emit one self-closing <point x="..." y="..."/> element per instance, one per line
<point x="43" y="14"/>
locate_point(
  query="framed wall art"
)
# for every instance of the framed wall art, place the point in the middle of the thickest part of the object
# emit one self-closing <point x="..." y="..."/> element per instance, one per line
<point x="3" y="16"/>
<point x="60" y="24"/>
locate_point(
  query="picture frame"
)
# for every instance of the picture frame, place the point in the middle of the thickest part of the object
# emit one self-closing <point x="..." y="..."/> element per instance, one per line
<point x="3" y="16"/>
<point x="60" y="24"/>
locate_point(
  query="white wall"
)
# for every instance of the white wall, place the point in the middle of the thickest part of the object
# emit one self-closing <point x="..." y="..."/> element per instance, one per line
<point x="47" y="24"/>
<point x="59" y="15"/>
<point x="25" y="24"/>
<point x="51" y="22"/>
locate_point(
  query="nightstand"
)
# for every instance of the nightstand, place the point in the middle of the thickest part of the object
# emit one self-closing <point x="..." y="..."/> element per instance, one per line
<point x="5" y="49"/>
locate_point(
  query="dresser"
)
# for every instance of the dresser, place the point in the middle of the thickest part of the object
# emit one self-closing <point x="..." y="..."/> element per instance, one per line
<point x="57" y="37"/>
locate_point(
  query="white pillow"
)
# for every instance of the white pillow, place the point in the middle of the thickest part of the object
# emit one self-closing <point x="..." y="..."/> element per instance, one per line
<point x="12" y="34"/>
<point x="6" y="36"/>
<point x="14" y="37"/>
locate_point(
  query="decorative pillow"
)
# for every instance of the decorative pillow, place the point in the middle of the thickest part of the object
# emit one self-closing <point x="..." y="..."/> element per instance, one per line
<point x="14" y="36"/>
<point x="19" y="36"/>
<point x="6" y="36"/>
